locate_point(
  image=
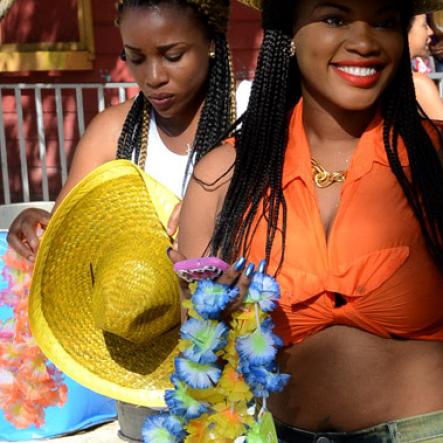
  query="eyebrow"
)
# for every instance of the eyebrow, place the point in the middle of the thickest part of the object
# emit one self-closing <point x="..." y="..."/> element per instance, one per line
<point x="332" y="5"/>
<point x="343" y="8"/>
<point x="161" y="48"/>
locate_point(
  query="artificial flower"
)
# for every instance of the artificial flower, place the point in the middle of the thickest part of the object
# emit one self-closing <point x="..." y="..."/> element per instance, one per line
<point x="263" y="290"/>
<point x="198" y="430"/>
<point x="206" y="337"/>
<point x="181" y="403"/>
<point x="231" y="420"/>
<point x="210" y="298"/>
<point x="260" y="347"/>
<point x="233" y="385"/>
<point x="7" y="329"/>
<point x="196" y="375"/>
<point x="163" y="428"/>
<point x="264" y="379"/>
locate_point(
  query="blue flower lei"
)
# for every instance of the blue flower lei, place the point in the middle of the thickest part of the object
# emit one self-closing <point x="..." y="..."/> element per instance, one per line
<point x="222" y="371"/>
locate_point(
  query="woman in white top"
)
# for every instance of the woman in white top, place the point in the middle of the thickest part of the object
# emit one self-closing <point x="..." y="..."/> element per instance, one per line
<point x="428" y="97"/>
<point x="177" y="52"/>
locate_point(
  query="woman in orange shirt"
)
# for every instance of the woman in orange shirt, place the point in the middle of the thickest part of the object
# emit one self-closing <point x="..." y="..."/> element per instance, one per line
<point x="335" y="179"/>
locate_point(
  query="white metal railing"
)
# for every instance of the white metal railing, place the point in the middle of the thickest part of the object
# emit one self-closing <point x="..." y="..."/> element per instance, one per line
<point x="121" y="89"/>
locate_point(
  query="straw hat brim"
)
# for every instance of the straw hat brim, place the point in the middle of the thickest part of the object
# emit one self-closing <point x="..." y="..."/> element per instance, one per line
<point x="95" y="215"/>
<point x="420" y="6"/>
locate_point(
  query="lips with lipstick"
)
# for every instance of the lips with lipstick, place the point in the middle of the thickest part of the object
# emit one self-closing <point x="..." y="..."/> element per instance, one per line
<point x="361" y="74"/>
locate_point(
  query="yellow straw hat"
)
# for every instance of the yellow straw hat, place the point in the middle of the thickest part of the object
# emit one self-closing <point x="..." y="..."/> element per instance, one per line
<point x="420" y="6"/>
<point x="104" y="302"/>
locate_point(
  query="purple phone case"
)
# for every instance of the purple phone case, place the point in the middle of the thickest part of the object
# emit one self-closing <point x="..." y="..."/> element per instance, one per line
<point x="200" y="268"/>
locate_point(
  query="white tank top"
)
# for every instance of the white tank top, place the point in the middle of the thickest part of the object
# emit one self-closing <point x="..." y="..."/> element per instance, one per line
<point x="169" y="168"/>
<point x="165" y="166"/>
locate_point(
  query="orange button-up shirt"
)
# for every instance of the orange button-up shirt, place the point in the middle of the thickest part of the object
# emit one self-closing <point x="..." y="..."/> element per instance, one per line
<point x="375" y="256"/>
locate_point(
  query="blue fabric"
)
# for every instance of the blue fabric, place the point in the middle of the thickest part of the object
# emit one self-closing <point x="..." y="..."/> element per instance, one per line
<point x="82" y="409"/>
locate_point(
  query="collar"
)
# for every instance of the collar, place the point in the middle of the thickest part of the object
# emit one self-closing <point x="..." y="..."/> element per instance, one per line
<point x="369" y="150"/>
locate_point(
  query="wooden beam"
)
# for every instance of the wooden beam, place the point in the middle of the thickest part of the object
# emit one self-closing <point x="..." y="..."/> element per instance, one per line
<point x="45" y="61"/>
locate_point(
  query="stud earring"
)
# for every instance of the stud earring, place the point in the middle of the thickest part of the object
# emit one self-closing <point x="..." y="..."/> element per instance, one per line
<point x="293" y="49"/>
<point x="123" y="55"/>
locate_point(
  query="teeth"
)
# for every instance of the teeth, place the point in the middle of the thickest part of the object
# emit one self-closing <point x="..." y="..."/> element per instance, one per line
<point x="357" y="71"/>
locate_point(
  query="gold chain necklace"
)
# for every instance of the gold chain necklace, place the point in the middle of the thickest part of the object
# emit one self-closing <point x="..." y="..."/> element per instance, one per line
<point x="324" y="178"/>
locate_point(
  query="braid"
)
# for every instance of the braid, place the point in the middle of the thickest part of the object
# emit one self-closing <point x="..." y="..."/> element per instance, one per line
<point x="220" y="101"/>
<point x="131" y="134"/>
<point x="423" y="190"/>
<point x="260" y="147"/>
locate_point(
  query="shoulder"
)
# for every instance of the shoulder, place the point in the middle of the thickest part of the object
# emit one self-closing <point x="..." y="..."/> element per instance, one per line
<point x="103" y="132"/>
<point x="428" y="96"/>
<point x="423" y="80"/>
<point x="111" y="118"/>
<point x="216" y="167"/>
<point x="425" y="86"/>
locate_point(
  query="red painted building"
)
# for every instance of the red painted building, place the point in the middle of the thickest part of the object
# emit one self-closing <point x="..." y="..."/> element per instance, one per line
<point x="41" y="42"/>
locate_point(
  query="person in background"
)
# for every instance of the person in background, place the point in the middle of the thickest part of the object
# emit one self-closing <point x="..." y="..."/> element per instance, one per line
<point x="428" y="96"/>
<point x="436" y="45"/>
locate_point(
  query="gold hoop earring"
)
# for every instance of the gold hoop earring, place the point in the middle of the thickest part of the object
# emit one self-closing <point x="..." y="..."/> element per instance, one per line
<point x="293" y="49"/>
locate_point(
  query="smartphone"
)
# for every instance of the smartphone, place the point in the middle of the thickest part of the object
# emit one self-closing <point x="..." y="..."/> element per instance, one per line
<point x="200" y="268"/>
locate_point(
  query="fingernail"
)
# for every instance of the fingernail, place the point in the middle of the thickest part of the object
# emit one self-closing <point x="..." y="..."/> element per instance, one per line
<point x="31" y="258"/>
<point x="239" y="264"/>
<point x="249" y="270"/>
<point x="262" y="266"/>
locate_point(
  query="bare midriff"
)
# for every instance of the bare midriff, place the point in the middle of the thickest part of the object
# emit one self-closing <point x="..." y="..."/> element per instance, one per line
<point x="346" y="379"/>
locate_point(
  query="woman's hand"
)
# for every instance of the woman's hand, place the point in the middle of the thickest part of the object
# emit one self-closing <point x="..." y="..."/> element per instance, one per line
<point x="22" y="234"/>
<point x="236" y="275"/>
<point x="174" y="218"/>
<point x="185" y="293"/>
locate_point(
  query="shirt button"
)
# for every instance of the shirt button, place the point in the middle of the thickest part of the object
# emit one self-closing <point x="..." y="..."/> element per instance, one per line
<point x="323" y="440"/>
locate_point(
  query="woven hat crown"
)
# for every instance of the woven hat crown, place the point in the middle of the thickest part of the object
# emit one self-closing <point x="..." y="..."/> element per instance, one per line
<point x="122" y="302"/>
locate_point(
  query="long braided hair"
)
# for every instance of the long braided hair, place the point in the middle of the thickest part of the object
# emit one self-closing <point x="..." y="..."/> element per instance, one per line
<point x="256" y="185"/>
<point x="218" y="111"/>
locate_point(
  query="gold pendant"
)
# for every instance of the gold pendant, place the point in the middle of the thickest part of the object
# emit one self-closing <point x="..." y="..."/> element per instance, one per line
<point x="324" y="178"/>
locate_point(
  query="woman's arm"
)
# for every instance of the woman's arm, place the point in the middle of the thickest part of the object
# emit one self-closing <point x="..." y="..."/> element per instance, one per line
<point x="428" y="96"/>
<point x="204" y="200"/>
